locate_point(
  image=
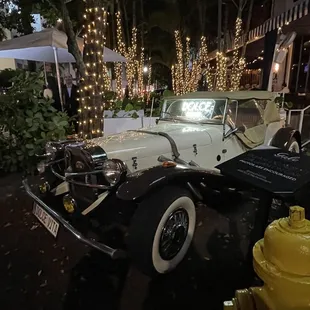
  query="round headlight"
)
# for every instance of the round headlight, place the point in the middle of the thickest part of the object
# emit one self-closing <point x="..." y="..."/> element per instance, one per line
<point x="50" y="151"/>
<point x="113" y="170"/>
<point x="41" y="167"/>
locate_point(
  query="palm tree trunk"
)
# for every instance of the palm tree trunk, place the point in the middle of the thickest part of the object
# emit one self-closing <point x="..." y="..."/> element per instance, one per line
<point x="226" y="26"/>
<point x="126" y="25"/>
<point x="247" y="28"/>
<point x="113" y="30"/>
<point x="219" y="26"/>
<point x="73" y="47"/>
<point x="142" y="25"/>
<point x="202" y="15"/>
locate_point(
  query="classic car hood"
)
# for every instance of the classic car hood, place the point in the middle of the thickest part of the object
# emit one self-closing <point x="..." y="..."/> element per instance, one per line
<point x="145" y="142"/>
<point x="155" y="141"/>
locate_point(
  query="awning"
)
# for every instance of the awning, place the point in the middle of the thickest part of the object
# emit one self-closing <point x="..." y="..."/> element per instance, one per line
<point x="39" y="46"/>
<point x="298" y="11"/>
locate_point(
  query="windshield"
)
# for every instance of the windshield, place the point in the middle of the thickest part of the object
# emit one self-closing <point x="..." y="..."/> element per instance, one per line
<point x="196" y="110"/>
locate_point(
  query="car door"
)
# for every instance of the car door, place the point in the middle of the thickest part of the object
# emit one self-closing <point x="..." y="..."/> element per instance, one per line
<point x="248" y="115"/>
<point x="232" y="145"/>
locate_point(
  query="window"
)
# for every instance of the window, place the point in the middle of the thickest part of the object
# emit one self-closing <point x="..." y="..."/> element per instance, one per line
<point x="247" y="113"/>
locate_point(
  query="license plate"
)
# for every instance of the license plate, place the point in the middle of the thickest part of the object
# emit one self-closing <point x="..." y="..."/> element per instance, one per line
<point x="49" y="223"/>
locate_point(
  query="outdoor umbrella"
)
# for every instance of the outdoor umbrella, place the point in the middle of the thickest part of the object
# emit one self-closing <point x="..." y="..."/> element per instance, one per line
<point x="49" y="45"/>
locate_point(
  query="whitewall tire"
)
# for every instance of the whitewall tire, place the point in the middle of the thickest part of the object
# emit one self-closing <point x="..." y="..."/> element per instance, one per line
<point x="293" y="146"/>
<point x="162" y="230"/>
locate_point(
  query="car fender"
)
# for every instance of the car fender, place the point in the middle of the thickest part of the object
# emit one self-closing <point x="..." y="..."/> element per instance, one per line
<point x="141" y="183"/>
<point x="284" y="135"/>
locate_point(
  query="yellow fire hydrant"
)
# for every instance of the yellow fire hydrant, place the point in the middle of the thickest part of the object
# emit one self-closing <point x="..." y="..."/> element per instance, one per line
<point x="282" y="261"/>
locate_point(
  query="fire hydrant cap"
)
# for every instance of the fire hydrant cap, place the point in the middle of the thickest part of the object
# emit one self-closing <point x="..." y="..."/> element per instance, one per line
<point x="287" y="243"/>
<point x="297" y="217"/>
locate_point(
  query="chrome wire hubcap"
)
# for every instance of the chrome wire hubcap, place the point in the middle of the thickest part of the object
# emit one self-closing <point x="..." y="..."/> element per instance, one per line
<point x="173" y="234"/>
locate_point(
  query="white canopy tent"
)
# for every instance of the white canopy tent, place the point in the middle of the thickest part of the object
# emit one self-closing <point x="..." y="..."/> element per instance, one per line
<point x="39" y="46"/>
<point x="49" y="45"/>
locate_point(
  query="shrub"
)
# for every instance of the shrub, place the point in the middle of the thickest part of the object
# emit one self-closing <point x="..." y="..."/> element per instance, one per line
<point x="27" y="122"/>
<point x="6" y="77"/>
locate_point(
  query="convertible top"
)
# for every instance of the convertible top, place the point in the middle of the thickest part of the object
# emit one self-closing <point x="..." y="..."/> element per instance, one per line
<point x="239" y="95"/>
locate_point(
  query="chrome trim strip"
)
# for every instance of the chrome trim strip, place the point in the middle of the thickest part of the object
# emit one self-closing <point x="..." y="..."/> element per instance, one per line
<point x="113" y="253"/>
<point x="66" y="178"/>
<point x="105" y="187"/>
<point x="174" y="147"/>
<point x="78" y="174"/>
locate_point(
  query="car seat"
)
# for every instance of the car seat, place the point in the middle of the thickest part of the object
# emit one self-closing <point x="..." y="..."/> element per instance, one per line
<point x="264" y="130"/>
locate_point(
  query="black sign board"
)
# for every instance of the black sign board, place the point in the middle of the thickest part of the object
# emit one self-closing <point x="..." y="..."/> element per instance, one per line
<point x="274" y="170"/>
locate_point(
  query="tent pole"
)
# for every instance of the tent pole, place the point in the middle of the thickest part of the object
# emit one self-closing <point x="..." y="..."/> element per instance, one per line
<point x="45" y="75"/>
<point x="58" y="77"/>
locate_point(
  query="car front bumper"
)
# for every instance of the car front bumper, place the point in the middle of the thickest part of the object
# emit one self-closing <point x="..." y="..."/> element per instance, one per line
<point x="113" y="253"/>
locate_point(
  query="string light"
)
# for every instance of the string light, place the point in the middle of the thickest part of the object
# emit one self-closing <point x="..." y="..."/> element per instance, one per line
<point x="187" y="73"/>
<point x="140" y="68"/>
<point x="209" y="78"/>
<point x="121" y="48"/>
<point x="221" y="71"/>
<point x="96" y="79"/>
<point x="237" y="63"/>
<point x="173" y="73"/>
<point x="204" y="60"/>
<point x="130" y="53"/>
<point x="185" y="78"/>
<point x="179" y="67"/>
<point x="118" y="79"/>
<point x="131" y="61"/>
<point x="149" y="79"/>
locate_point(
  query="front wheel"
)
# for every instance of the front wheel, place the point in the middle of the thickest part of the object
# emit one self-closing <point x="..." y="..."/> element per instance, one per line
<point x="162" y="230"/>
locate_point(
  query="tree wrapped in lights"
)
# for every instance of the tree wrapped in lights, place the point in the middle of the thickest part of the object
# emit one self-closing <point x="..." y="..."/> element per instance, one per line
<point x="179" y="67"/>
<point x="239" y="61"/>
<point x="96" y="79"/>
<point x="203" y="50"/>
<point x="121" y="48"/>
<point x="173" y="76"/>
<point x="209" y="78"/>
<point x="238" y="64"/>
<point x="204" y="59"/>
<point x="149" y="79"/>
<point x="221" y="71"/>
<point x="118" y="78"/>
<point x="195" y="76"/>
<point x="140" y="68"/>
<point x="131" y="62"/>
<point x="187" y="72"/>
<point x="185" y="78"/>
<point x="129" y="52"/>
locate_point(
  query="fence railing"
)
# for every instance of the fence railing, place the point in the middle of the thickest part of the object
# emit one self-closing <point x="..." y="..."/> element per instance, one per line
<point x="296" y="117"/>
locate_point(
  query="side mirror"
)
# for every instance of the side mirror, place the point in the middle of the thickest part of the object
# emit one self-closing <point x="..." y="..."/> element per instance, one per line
<point x="232" y="131"/>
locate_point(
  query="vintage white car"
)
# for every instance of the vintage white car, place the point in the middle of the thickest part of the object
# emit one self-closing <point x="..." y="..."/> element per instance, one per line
<point x="205" y="129"/>
<point x="149" y="181"/>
